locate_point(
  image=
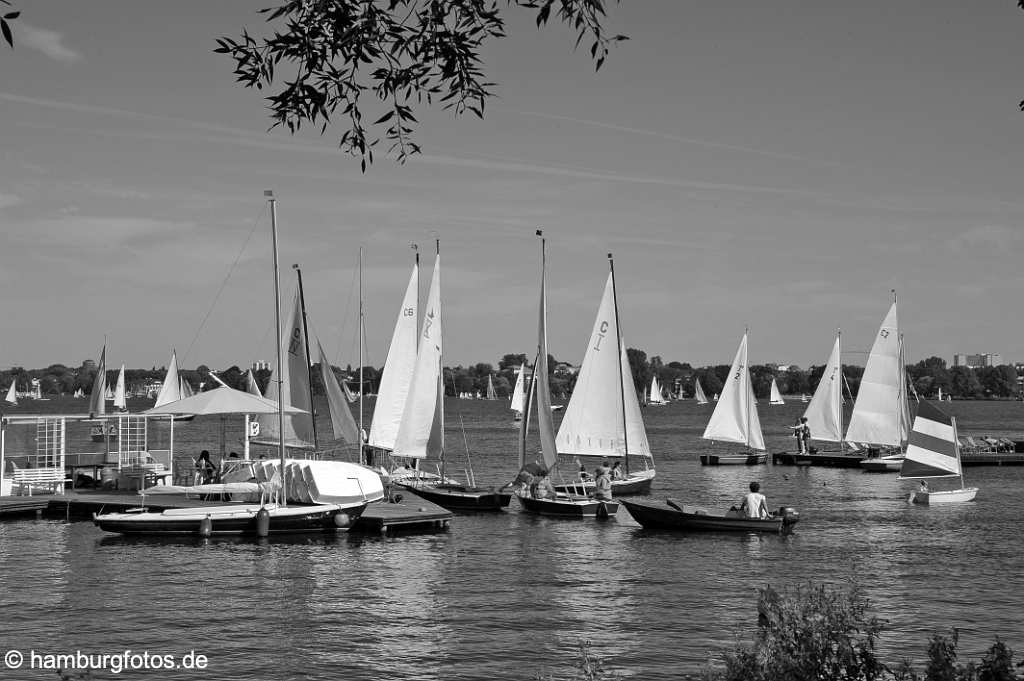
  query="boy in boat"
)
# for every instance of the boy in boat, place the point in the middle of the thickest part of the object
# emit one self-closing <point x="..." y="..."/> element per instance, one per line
<point x="617" y="473"/>
<point x="754" y="504"/>
<point x="542" y="487"/>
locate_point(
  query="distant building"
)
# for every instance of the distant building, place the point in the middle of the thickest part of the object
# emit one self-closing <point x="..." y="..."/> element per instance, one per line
<point x="976" y="361"/>
<point x="260" y="366"/>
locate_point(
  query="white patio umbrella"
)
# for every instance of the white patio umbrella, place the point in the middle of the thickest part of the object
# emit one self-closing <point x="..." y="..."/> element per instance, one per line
<point x="223" y="401"/>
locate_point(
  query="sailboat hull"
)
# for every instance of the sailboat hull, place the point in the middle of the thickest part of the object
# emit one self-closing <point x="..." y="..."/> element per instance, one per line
<point x="463" y="498"/>
<point x="232" y="519"/>
<point x="634" y="484"/>
<point x="566" y="506"/>
<point x="952" y="496"/>
<point x="751" y="459"/>
<point x="882" y="464"/>
<point x="690" y="519"/>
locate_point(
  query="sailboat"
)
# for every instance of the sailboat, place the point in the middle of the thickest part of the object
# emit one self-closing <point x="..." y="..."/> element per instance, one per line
<point x="421" y="431"/>
<point x="350" y="486"/>
<point x="933" y="451"/>
<point x="775" y="396"/>
<point x="698" y="392"/>
<point x="881" y="414"/>
<point x="98" y="404"/>
<point x="120" y="403"/>
<point x="290" y="385"/>
<point x="79" y="393"/>
<point x="735" y="417"/>
<point x="656" y="399"/>
<point x="824" y="414"/>
<point x="595" y="422"/>
<point x="12" y="393"/>
<point x="491" y="393"/>
<point x="803" y="398"/>
<point x="174" y="388"/>
<point x="397" y="377"/>
<point x="519" y="395"/>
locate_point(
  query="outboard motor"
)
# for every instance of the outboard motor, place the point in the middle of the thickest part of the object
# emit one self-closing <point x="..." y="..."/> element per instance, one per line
<point x="789" y="515"/>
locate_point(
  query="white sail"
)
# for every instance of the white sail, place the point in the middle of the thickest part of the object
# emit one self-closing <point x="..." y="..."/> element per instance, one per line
<point x="250" y="384"/>
<point x="99" y="387"/>
<point x="825" y="412"/>
<point x="879" y="413"/>
<point x="541" y="385"/>
<point x="656" y="396"/>
<point x="398" y="370"/>
<point x="518" y="393"/>
<point x="342" y="421"/>
<point x="775" y="397"/>
<point x="420" y="433"/>
<point x="12" y="393"/>
<point x="298" y="428"/>
<point x="491" y="393"/>
<point x="119" y="392"/>
<point x="698" y="392"/>
<point x="735" y="417"/>
<point x="170" y="391"/>
<point x="593" y="422"/>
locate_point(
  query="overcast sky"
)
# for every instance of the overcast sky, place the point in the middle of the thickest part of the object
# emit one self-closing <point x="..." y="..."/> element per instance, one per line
<point x="777" y="165"/>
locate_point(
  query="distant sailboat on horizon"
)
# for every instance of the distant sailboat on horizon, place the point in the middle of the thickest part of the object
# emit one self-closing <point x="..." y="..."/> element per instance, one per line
<point x="775" y="396"/>
<point x="698" y="392"/>
<point x="656" y="398"/>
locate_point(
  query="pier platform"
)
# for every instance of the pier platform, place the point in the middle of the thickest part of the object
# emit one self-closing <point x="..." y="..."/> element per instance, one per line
<point x="412" y="514"/>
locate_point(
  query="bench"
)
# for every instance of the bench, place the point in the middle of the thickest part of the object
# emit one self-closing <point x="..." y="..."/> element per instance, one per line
<point x="27" y="478"/>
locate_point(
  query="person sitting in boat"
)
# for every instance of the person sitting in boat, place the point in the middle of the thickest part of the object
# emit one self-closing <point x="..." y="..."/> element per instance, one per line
<point x="542" y="487"/>
<point x="602" y="485"/>
<point x="205" y="468"/>
<point x="584" y="475"/>
<point x="617" y="472"/>
<point x="754" y="504"/>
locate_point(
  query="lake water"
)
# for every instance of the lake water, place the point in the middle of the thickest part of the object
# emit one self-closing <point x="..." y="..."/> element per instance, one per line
<point x="508" y="596"/>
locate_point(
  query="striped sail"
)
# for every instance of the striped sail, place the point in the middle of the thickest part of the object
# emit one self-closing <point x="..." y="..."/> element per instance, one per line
<point x="825" y="412"/>
<point x="398" y="370"/>
<point x="880" y="412"/>
<point x="735" y="417"/>
<point x="932" y="451"/>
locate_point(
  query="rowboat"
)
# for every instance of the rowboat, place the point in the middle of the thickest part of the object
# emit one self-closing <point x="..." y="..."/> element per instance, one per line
<point x="675" y="516"/>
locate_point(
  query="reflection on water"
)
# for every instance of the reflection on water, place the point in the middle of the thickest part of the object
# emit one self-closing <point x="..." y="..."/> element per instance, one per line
<point x="506" y="596"/>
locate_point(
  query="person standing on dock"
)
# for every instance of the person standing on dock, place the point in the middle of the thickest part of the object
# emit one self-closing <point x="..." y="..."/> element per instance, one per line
<point x="802" y="432"/>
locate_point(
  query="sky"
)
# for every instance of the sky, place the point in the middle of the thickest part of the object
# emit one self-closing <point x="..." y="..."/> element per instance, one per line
<point x="772" y="166"/>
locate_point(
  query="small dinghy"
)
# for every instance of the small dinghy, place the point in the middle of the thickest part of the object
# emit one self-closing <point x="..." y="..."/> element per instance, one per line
<point x="675" y="516"/>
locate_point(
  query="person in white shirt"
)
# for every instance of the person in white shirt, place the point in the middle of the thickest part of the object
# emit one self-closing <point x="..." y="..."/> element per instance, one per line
<point x="754" y="504"/>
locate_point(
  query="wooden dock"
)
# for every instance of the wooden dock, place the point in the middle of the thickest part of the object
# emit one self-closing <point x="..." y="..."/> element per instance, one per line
<point x="13" y="507"/>
<point x="836" y="460"/>
<point x="412" y="514"/>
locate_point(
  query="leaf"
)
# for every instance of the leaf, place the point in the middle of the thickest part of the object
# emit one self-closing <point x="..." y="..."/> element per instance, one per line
<point x="6" y="30"/>
<point x="12" y="15"/>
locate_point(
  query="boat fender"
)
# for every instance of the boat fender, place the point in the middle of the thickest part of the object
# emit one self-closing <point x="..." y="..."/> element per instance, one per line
<point x="262" y="522"/>
<point x="788" y="514"/>
<point x="396" y="498"/>
<point x="341" y="520"/>
<point x="205" y="527"/>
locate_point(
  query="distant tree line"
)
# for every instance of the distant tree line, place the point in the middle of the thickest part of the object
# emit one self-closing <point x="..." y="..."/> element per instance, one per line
<point x="926" y="377"/>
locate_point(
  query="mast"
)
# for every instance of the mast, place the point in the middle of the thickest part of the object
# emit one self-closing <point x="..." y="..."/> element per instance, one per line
<point x="746" y="393"/>
<point x="440" y="361"/>
<point x="618" y="349"/>
<point x="842" y="379"/>
<point x="277" y="332"/>
<point x="359" y="342"/>
<point x="956" y="446"/>
<point x="305" y="339"/>
<point x="416" y="326"/>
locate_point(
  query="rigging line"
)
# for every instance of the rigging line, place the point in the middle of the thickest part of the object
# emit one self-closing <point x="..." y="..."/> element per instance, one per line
<point x="224" y="283"/>
<point x="344" y="319"/>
